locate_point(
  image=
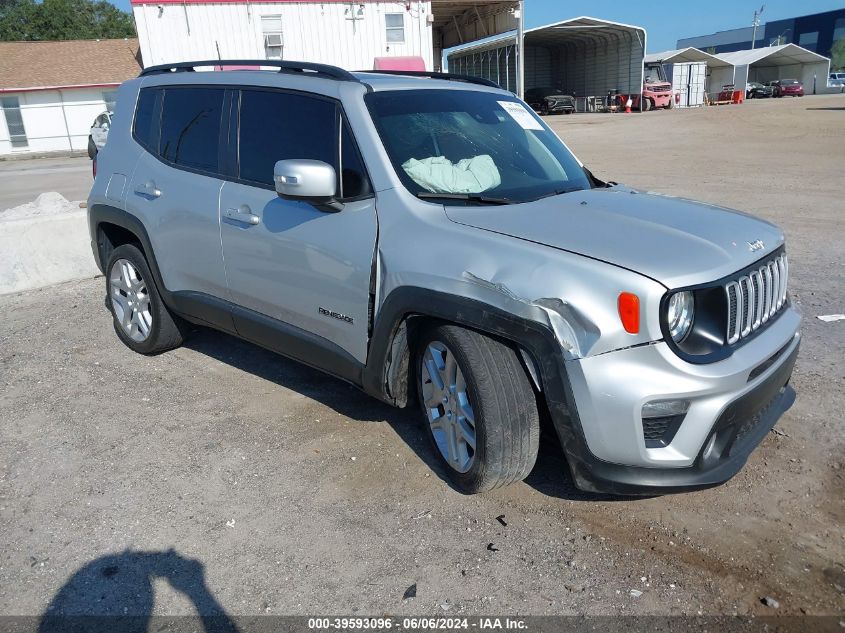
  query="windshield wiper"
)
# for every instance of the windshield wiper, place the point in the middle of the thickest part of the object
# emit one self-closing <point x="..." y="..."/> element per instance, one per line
<point x="557" y="192"/>
<point x="470" y="197"/>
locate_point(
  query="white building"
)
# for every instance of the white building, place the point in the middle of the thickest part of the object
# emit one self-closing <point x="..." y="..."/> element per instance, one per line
<point x="351" y="35"/>
<point x="51" y="92"/>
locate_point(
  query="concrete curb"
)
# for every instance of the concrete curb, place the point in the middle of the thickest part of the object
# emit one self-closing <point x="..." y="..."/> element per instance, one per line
<point x="46" y="250"/>
<point x="33" y="155"/>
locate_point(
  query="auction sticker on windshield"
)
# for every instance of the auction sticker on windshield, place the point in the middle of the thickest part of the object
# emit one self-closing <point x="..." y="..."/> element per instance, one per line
<point x="521" y="115"/>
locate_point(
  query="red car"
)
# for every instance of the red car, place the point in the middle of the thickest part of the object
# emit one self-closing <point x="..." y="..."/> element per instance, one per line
<point x="787" y="88"/>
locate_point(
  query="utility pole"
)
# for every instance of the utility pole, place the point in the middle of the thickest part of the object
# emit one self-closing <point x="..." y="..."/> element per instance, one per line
<point x="520" y="50"/>
<point x="755" y="23"/>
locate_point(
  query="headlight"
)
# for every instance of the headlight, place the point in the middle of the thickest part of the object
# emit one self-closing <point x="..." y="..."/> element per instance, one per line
<point x="679" y="315"/>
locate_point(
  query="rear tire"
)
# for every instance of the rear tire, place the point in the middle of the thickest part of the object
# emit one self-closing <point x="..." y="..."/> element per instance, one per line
<point x="141" y="320"/>
<point x="479" y="406"/>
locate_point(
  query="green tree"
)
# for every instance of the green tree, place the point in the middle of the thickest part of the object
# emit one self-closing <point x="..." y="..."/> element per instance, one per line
<point x="837" y="54"/>
<point x="63" y="20"/>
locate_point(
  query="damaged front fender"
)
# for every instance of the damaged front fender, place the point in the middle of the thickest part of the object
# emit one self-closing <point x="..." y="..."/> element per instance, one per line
<point x="573" y="330"/>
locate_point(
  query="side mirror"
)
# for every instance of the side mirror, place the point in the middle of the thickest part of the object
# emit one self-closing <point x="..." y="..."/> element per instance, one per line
<point x="307" y="180"/>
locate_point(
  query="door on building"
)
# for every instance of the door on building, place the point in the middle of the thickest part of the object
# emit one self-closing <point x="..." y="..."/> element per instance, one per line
<point x="14" y="122"/>
<point x="688" y="80"/>
<point x="286" y="259"/>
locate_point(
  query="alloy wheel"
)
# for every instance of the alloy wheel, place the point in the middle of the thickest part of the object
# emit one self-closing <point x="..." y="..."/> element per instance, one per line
<point x="130" y="299"/>
<point x="447" y="406"/>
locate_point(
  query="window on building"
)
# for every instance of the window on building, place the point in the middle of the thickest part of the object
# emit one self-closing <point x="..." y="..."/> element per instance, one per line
<point x="190" y="127"/>
<point x="14" y="121"/>
<point x="838" y="29"/>
<point x="271" y="30"/>
<point x="809" y="40"/>
<point x="266" y="137"/>
<point x="110" y="97"/>
<point x="143" y="128"/>
<point x="395" y="23"/>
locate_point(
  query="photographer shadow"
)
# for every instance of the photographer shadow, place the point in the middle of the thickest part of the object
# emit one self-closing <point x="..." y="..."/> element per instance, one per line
<point x="116" y="593"/>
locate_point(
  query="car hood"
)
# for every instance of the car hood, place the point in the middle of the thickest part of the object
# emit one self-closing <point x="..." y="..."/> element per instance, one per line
<point x="674" y="241"/>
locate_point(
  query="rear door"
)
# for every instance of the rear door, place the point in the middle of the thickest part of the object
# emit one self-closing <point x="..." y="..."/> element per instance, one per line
<point x="285" y="259"/>
<point x="175" y="188"/>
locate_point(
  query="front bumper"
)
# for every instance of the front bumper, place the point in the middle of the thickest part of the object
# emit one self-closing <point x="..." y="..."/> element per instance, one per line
<point x="733" y="404"/>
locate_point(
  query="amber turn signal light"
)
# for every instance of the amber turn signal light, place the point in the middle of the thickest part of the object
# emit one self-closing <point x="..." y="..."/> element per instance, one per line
<point x="629" y="312"/>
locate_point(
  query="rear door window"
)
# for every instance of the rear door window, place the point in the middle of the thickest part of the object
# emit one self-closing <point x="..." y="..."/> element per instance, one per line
<point x="190" y="127"/>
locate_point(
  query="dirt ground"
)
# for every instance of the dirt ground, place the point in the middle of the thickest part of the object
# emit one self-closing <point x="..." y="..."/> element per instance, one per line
<point x="277" y="490"/>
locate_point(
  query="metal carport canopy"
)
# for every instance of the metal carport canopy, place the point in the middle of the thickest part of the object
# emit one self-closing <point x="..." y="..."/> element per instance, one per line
<point x="595" y="55"/>
<point x="773" y="62"/>
<point x="783" y="55"/>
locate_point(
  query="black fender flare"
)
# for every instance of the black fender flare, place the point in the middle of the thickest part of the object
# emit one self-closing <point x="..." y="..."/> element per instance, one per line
<point x="380" y="378"/>
<point x="99" y="214"/>
<point x="213" y="313"/>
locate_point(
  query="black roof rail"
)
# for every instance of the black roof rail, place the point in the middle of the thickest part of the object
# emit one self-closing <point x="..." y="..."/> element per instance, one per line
<point x="324" y="71"/>
<point x="435" y="75"/>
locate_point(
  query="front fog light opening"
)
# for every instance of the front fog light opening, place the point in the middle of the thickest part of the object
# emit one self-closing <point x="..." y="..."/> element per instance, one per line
<point x="679" y="315"/>
<point x="661" y="420"/>
<point x="664" y="408"/>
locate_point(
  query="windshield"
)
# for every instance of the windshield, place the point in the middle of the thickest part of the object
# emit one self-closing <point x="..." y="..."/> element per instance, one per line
<point x="652" y="75"/>
<point x="466" y="143"/>
<point x="788" y="82"/>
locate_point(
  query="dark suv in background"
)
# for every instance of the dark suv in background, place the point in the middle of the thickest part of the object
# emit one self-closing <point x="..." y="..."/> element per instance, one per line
<point x="549" y="101"/>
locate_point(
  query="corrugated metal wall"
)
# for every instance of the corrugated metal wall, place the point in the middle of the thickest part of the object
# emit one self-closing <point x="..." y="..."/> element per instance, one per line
<point x="497" y="64"/>
<point x="312" y="32"/>
<point x="580" y="68"/>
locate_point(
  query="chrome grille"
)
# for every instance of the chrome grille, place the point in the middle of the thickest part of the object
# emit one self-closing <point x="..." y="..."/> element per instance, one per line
<point x="755" y="298"/>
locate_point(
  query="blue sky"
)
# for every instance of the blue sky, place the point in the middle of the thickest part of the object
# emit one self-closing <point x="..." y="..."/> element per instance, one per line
<point x="666" y="21"/>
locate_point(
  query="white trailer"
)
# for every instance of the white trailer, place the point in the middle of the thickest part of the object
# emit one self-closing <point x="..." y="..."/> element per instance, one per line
<point x="351" y="35"/>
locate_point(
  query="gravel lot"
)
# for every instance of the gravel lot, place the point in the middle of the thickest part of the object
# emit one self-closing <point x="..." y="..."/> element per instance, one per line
<point x="287" y="492"/>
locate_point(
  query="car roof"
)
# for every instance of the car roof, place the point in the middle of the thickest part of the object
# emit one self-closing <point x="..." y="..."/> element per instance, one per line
<point x="318" y="78"/>
<point x="383" y="81"/>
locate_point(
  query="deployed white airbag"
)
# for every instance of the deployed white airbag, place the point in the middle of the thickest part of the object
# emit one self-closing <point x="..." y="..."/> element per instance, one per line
<point x="440" y="175"/>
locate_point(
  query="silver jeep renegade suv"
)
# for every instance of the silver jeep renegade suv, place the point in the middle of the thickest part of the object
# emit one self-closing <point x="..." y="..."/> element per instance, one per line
<point x="429" y="239"/>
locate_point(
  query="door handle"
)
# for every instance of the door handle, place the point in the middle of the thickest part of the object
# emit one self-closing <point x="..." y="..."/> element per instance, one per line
<point x="242" y="214"/>
<point x="148" y="189"/>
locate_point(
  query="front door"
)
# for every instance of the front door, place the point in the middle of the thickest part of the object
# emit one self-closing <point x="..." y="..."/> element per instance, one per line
<point x="285" y="259"/>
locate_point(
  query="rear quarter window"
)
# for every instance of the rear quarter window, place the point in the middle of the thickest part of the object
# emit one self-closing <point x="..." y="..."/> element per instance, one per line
<point x="143" y="128"/>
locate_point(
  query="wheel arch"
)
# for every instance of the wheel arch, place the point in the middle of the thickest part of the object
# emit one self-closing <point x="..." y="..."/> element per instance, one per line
<point x="408" y="310"/>
<point x="389" y="372"/>
<point x="111" y="227"/>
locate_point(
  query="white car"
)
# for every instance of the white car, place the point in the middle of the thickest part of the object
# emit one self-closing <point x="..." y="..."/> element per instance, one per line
<point x="99" y="133"/>
<point x="836" y="80"/>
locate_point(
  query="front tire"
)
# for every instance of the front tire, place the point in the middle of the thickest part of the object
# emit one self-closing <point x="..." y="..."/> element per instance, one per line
<point x="141" y="320"/>
<point x="646" y="104"/>
<point x="92" y="148"/>
<point x="480" y="408"/>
